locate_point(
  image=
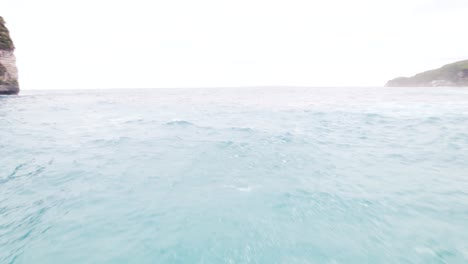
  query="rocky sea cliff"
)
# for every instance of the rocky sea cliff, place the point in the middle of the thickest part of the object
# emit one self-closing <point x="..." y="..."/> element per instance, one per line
<point x="8" y="70"/>
<point x="454" y="74"/>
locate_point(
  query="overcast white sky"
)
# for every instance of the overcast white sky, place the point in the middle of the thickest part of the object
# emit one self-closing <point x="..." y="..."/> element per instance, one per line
<point x="212" y="43"/>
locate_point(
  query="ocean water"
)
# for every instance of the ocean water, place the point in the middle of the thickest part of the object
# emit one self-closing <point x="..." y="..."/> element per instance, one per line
<point x="251" y="175"/>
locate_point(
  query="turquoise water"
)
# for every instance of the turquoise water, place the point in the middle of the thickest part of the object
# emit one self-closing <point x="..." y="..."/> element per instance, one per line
<point x="264" y="175"/>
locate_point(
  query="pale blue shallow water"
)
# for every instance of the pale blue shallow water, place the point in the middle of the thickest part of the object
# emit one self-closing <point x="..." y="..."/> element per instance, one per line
<point x="264" y="175"/>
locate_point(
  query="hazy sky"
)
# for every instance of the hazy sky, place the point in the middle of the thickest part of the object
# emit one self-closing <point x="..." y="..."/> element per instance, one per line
<point x="206" y="43"/>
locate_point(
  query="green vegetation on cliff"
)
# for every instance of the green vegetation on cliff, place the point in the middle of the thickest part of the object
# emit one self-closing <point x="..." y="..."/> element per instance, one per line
<point x="5" y="40"/>
<point x="454" y="74"/>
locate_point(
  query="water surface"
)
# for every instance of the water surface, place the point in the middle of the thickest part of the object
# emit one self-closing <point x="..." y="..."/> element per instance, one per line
<point x="253" y="175"/>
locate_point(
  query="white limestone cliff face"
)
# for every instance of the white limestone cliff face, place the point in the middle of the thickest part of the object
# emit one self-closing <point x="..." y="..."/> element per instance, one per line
<point x="8" y="73"/>
<point x="8" y="60"/>
<point x="8" y="70"/>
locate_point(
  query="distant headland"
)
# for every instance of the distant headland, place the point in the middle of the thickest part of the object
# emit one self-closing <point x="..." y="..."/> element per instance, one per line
<point x="454" y="74"/>
<point x="8" y="70"/>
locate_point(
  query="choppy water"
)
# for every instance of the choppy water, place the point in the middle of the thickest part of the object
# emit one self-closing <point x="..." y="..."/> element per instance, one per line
<point x="270" y="175"/>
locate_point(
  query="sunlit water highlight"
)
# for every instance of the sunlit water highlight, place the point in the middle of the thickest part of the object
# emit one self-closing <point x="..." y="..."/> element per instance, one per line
<point x="264" y="175"/>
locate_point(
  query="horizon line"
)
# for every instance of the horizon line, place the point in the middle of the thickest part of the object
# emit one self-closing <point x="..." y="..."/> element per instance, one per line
<point x="211" y="87"/>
